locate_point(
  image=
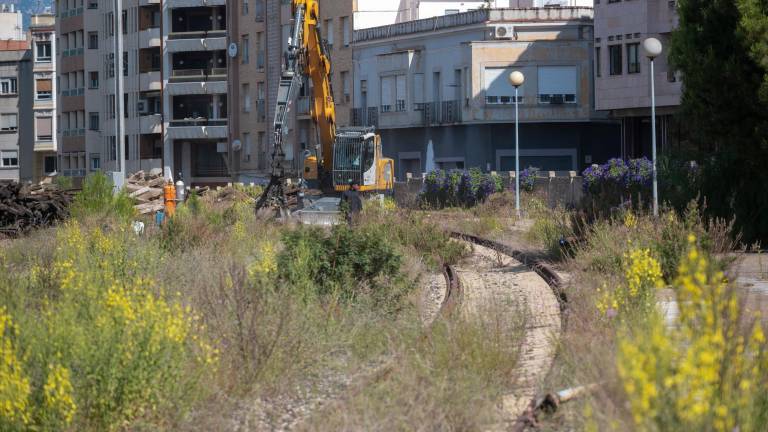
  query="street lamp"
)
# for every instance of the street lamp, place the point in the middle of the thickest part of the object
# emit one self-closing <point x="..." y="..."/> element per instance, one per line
<point x="652" y="48"/>
<point x="517" y="79"/>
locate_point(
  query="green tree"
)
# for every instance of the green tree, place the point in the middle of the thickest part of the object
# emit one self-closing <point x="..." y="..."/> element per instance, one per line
<point x="754" y="23"/>
<point x="717" y="49"/>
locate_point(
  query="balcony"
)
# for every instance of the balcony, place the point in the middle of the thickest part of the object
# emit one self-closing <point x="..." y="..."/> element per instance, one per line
<point x="45" y="145"/>
<point x="197" y="41"/>
<point x="195" y="3"/>
<point x="151" y="124"/>
<point x="364" y="117"/>
<point x="150" y="80"/>
<point x="197" y="75"/>
<point x="437" y="113"/>
<point x="149" y="38"/>
<point x="198" y="129"/>
<point x="196" y="88"/>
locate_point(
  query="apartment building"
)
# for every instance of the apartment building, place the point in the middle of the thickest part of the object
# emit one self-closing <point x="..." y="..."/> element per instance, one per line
<point x="11" y="19"/>
<point x="622" y="72"/>
<point x="442" y="83"/>
<point x="16" y="84"/>
<point x="45" y="161"/>
<point x="162" y="100"/>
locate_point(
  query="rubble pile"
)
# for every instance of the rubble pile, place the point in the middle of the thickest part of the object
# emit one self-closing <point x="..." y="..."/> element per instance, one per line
<point x="23" y="208"/>
<point x="147" y="190"/>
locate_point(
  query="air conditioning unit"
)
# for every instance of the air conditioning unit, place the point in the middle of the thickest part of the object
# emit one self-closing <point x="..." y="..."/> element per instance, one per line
<point x="142" y="107"/>
<point x="504" y="32"/>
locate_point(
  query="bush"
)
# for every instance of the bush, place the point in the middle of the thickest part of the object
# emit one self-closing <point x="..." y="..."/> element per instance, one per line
<point x="97" y="199"/>
<point x="102" y="345"/>
<point x="459" y="188"/>
<point x="706" y="373"/>
<point x="345" y="262"/>
<point x="616" y="182"/>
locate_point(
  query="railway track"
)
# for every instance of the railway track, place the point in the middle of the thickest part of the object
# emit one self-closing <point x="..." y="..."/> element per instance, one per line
<point x="496" y="273"/>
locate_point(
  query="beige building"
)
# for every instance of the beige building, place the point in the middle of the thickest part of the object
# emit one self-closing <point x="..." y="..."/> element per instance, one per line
<point x="262" y="31"/>
<point x="43" y="39"/>
<point x="438" y="90"/>
<point x="622" y="72"/>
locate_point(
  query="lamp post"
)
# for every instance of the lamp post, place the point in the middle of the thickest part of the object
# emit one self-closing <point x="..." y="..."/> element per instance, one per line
<point x="652" y="48"/>
<point x="517" y="79"/>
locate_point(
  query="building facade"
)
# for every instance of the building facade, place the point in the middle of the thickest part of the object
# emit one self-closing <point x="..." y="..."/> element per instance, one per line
<point x="622" y="72"/>
<point x="439" y="86"/>
<point x="16" y="153"/>
<point x="43" y="43"/>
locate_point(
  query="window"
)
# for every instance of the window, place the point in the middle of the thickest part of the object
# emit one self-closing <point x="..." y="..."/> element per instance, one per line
<point x="244" y="49"/>
<point x="49" y="164"/>
<point x="246" y="92"/>
<point x="44" y="89"/>
<point x="260" y="50"/>
<point x="93" y="121"/>
<point x="633" y="58"/>
<point x="93" y="80"/>
<point x="345" y="34"/>
<point x="9" y="159"/>
<point x="418" y="92"/>
<point x="8" y="86"/>
<point x="557" y="84"/>
<point x="124" y="21"/>
<point x="93" y="40"/>
<point x="125" y="63"/>
<point x="93" y="4"/>
<point x="96" y="162"/>
<point x="329" y="33"/>
<point x="614" y="53"/>
<point x="111" y="65"/>
<point x="598" y="63"/>
<point x="245" y="7"/>
<point x="345" y="84"/>
<point x="247" y="147"/>
<point x="44" y="128"/>
<point x="9" y="122"/>
<point x="498" y="90"/>
<point x="400" y="93"/>
<point x="43" y="51"/>
<point x="387" y="93"/>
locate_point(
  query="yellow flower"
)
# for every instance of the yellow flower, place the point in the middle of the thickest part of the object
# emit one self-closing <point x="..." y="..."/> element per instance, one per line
<point x="14" y="384"/>
<point x="58" y="393"/>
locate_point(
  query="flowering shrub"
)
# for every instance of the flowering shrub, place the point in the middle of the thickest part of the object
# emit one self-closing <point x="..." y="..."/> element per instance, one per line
<point x="528" y="178"/>
<point x="107" y="345"/>
<point x="704" y="373"/>
<point x="459" y="188"/>
<point x="642" y="275"/>
<point x="631" y="175"/>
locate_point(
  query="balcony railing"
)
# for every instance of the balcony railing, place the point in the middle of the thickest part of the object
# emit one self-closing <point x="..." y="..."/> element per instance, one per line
<point x="202" y="34"/>
<point x="364" y="117"/>
<point x="446" y="112"/>
<point x="261" y="110"/>
<point x="213" y="74"/>
<point x="201" y="121"/>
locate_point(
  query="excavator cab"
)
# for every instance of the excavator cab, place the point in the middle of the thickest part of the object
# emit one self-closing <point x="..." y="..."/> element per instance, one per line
<point x="357" y="157"/>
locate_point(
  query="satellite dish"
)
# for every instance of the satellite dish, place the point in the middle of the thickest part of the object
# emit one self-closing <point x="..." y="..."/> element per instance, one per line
<point x="237" y="145"/>
<point x="232" y="50"/>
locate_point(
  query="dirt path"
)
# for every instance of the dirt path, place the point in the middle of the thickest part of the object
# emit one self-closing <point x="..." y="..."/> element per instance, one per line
<point x="489" y="277"/>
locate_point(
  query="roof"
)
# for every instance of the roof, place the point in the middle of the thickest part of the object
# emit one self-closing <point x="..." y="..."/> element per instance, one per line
<point x="474" y="17"/>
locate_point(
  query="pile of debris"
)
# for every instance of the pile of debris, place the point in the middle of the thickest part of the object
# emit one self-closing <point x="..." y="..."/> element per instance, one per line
<point x="23" y="208"/>
<point x="147" y="190"/>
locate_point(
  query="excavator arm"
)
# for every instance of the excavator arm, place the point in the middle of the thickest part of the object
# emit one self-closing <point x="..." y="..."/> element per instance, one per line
<point x="306" y="55"/>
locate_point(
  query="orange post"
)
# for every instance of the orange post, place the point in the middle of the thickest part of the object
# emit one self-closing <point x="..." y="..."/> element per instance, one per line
<point x="170" y="199"/>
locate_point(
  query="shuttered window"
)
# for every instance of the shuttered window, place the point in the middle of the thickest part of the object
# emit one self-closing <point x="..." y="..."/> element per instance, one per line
<point x="557" y="84"/>
<point x="498" y="90"/>
<point x="44" y="88"/>
<point x="400" y="93"/>
<point x="387" y="93"/>
<point x="418" y="92"/>
<point x="44" y="128"/>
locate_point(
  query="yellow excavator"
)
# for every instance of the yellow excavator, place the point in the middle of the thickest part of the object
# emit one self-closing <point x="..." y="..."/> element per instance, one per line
<point x="342" y="155"/>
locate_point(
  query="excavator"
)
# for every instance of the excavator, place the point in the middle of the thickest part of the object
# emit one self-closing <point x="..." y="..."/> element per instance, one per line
<point x="342" y="155"/>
